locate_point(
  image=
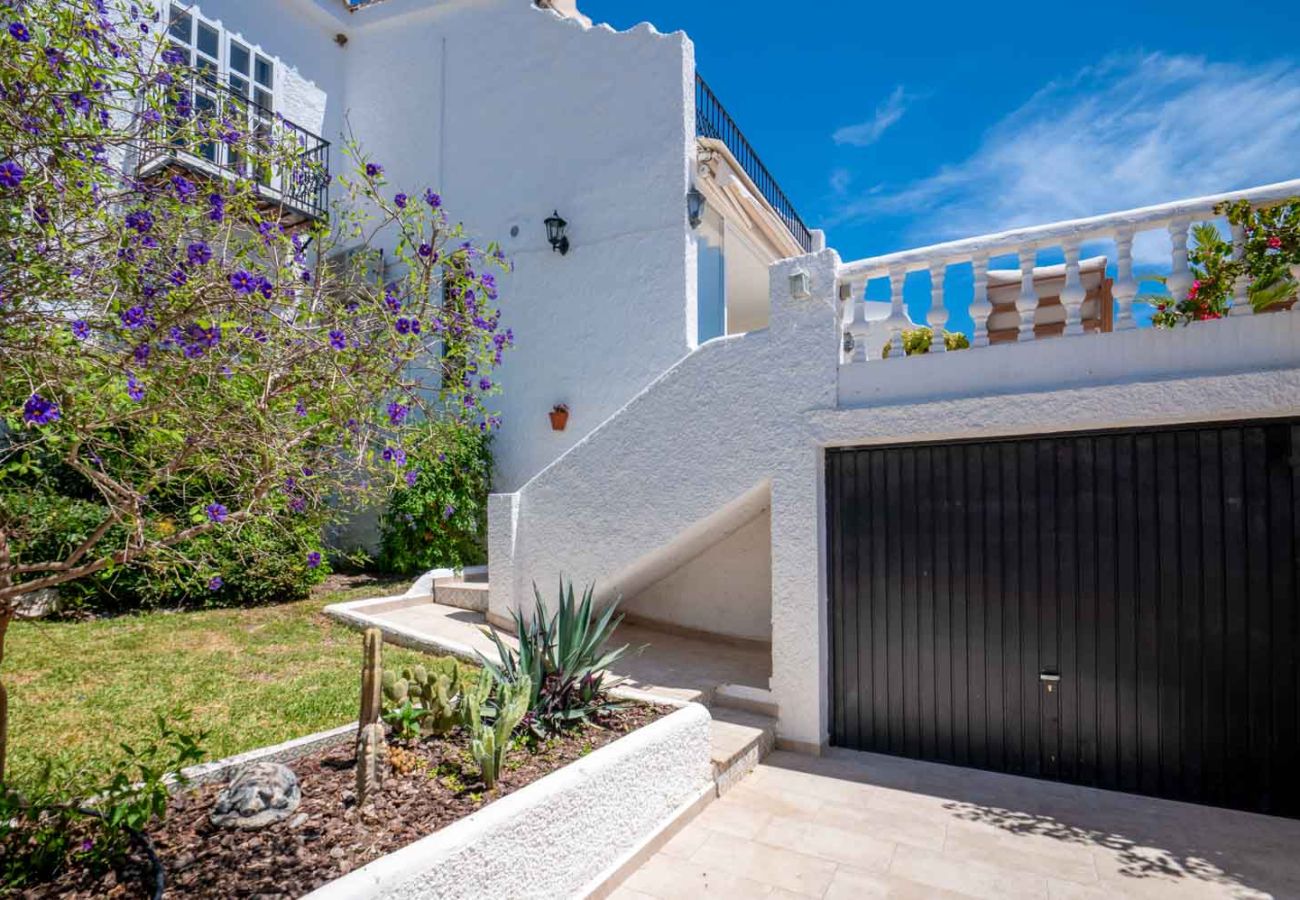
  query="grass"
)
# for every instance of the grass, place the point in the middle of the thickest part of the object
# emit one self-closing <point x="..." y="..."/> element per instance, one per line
<point x="250" y="677"/>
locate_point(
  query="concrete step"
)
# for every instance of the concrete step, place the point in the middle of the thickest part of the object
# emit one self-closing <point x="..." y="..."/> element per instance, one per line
<point x="740" y="740"/>
<point x="472" y="595"/>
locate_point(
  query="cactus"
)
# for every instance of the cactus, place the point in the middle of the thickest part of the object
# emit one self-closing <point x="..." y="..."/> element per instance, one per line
<point x="473" y="695"/>
<point x="489" y="743"/>
<point x="439" y="691"/>
<point x="371" y="753"/>
<point x="371" y="676"/>
<point x="395" y="689"/>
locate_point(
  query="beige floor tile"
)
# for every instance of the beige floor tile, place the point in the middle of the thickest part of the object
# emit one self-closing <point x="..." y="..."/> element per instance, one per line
<point x="736" y="819"/>
<point x="1068" y="890"/>
<point x="773" y="866"/>
<point x="770" y="799"/>
<point x="1028" y="853"/>
<point x="670" y="879"/>
<point x="900" y="826"/>
<point x="852" y="884"/>
<point x="966" y="876"/>
<point x="623" y="892"/>
<point x="826" y="842"/>
<point x="684" y="842"/>
<point x="807" y="784"/>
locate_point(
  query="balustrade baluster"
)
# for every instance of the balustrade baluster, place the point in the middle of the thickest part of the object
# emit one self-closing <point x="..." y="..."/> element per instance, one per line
<point x="897" y="320"/>
<point x="938" y="312"/>
<point x="1072" y="294"/>
<point x="980" y="308"/>
<point x="1027" y="302"/>
<point x="1125" y="287"/>
<point x="1180" y="275"/>
<point x="1241" y="284"/>
<point x="860" y="328"/>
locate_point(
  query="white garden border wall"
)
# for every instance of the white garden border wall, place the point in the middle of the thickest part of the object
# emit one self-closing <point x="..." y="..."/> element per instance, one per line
<point x="561" y="835"/>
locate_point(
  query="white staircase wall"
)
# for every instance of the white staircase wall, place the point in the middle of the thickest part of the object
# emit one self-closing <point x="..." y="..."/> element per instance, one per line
<point x="726" y="589"/>
<point x="683" y="463"/>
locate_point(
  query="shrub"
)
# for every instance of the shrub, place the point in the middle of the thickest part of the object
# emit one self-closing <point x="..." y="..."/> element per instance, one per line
<point x="562" y="656"/>
<point x="89" y="818"/>
<point x="438" y="519"/>
<point x="917" y="340"/>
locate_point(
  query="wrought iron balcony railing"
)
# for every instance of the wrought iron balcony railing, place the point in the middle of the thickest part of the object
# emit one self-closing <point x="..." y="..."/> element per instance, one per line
<point x="713" y="121"/>
<point x="300" y="188"/>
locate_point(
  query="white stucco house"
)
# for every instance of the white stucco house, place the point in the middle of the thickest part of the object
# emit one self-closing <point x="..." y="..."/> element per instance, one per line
<point x="980" y="557"/>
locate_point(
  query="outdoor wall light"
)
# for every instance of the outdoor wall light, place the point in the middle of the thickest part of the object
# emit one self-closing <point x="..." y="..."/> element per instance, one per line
<point x="695" y="204"/>
<point x="555" y="233"/>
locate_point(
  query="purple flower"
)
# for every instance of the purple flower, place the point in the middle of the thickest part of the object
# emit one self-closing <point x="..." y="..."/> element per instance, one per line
<point x="178" y="277"/>
<point x="397" y="412"/>
<point x="485" y="384"/>
<point x="338" y="340"/>
<point x="400" y="200"/>
<point x="39" y="411"/>
<point x="432" y="199"/>
<point x="374" y="170"/>
<point x="391" y="298"/>
<point x="313" y="559"/>
<point x="81" y="329"/>
<point x="394" y="455"/>
<point x="134" y="389"/>
<point x="300" y="408"/>
<point x="297" y="505"/>
<point x="11" y="174"/>
<point x="141" y="353"/>
<point x="198" y="253"/>
<point x="218" y="207"/>
<point x="18" y="31"/>
<point x="140" y="220"/>
<point x="448" y="511"/>
<point x="174" y="57"/>
<point x="412" y="475"/>
<point x="415" y="326"/>
<point x="425" y="250"/>
<point x="184" y="188"/>
<point x="216" y="513"/>
<point x="215" y="583"/>
<point x="135" y="317"/>
<point x="242" y="282"/>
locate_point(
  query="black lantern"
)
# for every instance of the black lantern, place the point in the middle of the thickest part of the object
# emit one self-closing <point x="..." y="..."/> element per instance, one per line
<point x="695" y="206"/>
<point x="555" y="233"/>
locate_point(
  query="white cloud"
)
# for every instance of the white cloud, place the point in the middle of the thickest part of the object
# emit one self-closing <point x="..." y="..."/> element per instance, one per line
<point x="1131" y="131"/>
<point x="840" y="181"/>
<point x="864" y="134"/>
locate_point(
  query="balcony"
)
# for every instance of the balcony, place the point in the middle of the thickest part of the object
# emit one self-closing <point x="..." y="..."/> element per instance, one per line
<point x="713" y="123"/>
<point x="295" y="193"/>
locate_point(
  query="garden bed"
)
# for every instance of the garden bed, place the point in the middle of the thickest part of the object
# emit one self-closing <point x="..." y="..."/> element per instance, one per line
<point x="329" y="836"/>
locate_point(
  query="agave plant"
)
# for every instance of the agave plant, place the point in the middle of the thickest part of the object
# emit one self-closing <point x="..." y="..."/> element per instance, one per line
<point x="561" y="655"/>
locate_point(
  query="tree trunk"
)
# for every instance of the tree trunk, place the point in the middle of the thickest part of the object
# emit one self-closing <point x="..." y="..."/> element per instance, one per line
<point x="6" y="613"/>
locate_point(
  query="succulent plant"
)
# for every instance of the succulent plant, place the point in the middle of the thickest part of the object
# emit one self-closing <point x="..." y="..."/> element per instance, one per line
<point x="490" y="742"/>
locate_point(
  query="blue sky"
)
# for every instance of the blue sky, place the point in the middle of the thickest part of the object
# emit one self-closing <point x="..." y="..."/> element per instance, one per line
<point x="899" y="124"/>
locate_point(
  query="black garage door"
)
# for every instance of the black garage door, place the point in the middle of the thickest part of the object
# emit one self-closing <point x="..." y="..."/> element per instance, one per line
<point x="1115" y="609"/>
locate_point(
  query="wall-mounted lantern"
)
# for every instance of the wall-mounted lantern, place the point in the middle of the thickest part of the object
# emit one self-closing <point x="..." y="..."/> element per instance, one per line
<point x="555" y="233"/>
<point x="695" y="204"/>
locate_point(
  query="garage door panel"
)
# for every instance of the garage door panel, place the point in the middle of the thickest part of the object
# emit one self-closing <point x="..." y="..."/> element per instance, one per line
<point x="1155" y="572"/>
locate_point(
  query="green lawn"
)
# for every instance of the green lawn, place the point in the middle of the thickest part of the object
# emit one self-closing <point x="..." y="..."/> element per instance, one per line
<point x="250" y="677"/>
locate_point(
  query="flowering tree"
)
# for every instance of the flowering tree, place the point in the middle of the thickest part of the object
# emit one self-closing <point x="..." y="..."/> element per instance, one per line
<point x="170" y="341"/>
<point x="1269" y="256"/>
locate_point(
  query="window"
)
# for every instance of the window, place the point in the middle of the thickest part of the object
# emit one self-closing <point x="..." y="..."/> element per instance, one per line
<point x="222" y="60"/>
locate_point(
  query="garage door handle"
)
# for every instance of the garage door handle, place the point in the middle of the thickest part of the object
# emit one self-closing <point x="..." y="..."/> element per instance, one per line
<point x="1049" y="677"/>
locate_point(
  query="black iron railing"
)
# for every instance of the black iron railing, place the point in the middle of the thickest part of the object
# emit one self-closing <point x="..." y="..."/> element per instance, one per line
<point x="713" y="121"/>
<point x="298" y="182"/>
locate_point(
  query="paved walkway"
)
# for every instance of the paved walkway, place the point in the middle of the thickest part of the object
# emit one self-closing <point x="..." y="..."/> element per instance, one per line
<point x="858" y="825"/>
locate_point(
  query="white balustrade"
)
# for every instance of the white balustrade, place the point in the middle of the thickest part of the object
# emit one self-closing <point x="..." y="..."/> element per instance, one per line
<point x="1072" y="294"/>
<point x="980" y="308"/>
<point x="1125" y="287"/>
<point x="897" y="320"/>
<point x="1027" y="302"/>
<point x="1071" y="238"/>
<point x="938" y="312"/>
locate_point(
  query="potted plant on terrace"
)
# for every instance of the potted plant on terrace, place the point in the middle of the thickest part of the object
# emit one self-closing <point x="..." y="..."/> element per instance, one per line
<point x="559" y="416"/>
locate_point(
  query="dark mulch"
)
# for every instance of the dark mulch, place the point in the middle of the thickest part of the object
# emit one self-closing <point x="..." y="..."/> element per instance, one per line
<point x="329" y="836"/>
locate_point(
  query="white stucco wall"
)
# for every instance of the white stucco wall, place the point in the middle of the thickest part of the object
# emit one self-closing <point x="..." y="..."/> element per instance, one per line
<point x="628" y="504"/>
<point x="512" y="112"/>
<point x="557" y="836"/>
<point x="725" y="589"/>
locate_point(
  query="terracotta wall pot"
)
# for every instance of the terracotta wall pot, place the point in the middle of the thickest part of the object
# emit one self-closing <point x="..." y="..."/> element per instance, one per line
<point x="559" y="419"/>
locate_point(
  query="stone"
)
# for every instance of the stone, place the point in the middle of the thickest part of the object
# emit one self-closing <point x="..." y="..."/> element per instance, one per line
<point x="259" y="795"/>
<point x="38" y="604"/>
